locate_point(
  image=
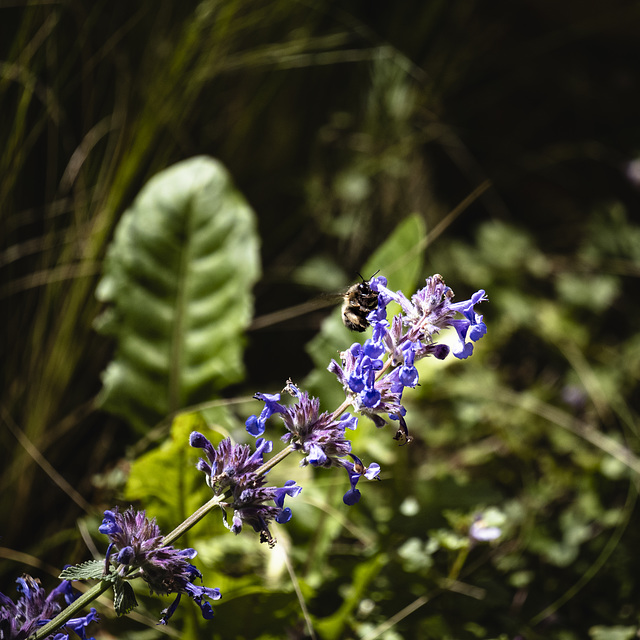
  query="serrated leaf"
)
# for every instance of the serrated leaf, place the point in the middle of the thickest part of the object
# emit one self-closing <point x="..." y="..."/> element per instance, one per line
<point x="178" y="278"/>
<point x="90" y="570"/>
<point x="124" y="600"/>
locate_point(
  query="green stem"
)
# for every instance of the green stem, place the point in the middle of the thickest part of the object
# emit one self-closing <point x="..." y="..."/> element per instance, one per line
<point x="458" y="563"/>
<point x="75" y="607"/>
<point x="195" y="517"/>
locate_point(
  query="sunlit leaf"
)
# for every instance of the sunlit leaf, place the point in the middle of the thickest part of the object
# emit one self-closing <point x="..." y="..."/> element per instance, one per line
<point x="178" y="278"/>
<point x="165" y="480"/>
<point x="85" y="571"/>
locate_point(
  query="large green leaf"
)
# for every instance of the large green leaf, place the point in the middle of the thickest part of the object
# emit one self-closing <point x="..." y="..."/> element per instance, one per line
<point x="178" y="278"/>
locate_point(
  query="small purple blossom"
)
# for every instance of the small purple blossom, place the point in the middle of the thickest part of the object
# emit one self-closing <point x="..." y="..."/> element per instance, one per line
<point x="487" y="526"/>
<point x="357" y="470"/>
<point x="78" y="626"/>
<point x="233" y="468"/>
<point x="34" y="608"/>
<point x="481" y="532"/>
<point x="139" y="545"/>
<point x="471" y="327"/>
<point x="408" y="373"/>
<point x="256" y="424"/>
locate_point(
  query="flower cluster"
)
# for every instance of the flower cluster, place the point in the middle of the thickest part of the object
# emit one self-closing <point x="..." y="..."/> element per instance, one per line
<point x="232" y="468"/>
<point x="139" y="545"/>
<point x="34" y="608"/>
<point x="374" y="386"/>
<point x="320" y="437"/>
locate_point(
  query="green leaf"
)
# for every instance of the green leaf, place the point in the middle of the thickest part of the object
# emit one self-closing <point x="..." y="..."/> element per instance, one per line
<point x="92" y="569"/>
<point x="178" y="278"/>
<point x="124" y="600"/>
<point x="334" y="626"/>
<point x="613" y="633"/>
<point x="166" y="480"/>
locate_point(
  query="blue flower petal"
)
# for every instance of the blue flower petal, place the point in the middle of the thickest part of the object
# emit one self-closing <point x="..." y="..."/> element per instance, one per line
<point x="351" y="497"/>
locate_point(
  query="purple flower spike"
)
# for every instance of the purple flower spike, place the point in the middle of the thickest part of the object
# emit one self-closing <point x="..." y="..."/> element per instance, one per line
<point x="319" y="437"/>
<point x="140" y="545"/>
<point x="405" y="339"/>
<point x="34" y="608"/>
<point x="232" y="469"/>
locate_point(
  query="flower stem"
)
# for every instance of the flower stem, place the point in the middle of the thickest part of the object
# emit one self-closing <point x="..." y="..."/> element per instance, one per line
<point x="458" y="563"/>
<point x="279" y="457"/>
<point x="75" y="607"/>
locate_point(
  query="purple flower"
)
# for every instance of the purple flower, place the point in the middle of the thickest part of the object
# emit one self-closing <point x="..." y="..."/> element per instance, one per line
<point x="408" y="373"/>
<point x="229" y="465"/>
<point x="321" y="437"/>
<point x="318" y="436"/>
<point x="139" y="545"/>
<point x="375" y="397"/>
<point x="481" y="531"/>
<point x="232" y="469"/>
<point x="290" y="489"/>
<point x="78" y="626"/>
<point x="472" y="326"/>
<point x="356" y="470"/>
<point x="34" y="608"/>
<point x="256" y="425"/>
<point x="428" y="312"/>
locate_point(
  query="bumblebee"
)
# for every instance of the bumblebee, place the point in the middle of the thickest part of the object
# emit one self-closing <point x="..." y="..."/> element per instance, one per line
<point x="359" y="300"/>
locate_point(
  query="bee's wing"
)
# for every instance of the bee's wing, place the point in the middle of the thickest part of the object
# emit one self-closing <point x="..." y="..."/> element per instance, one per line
<point x="319" y="302"/>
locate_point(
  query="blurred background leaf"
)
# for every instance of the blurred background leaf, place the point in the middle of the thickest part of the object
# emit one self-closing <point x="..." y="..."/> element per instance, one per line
<point x="178" y="279"/>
